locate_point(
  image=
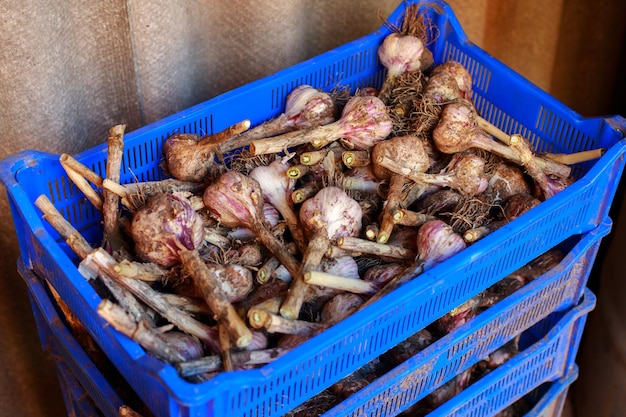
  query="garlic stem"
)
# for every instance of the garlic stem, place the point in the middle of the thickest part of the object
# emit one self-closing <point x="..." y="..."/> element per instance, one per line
<point x="357" y="246"/>
<point x="392" y="202"/>
<point x="305" y="192"/>
<point x="226" y="134"/>
<point x="224" y="312"/>
<point x="112" y="238"/>
<point x="356" y="158"/>
<point x="159" y="303"/>
<point x="78" y="176"/>
<point x="305" y="107"/>
<point x="457" y="131"/>
<point x="406" y="217"/>
<point x="239" y="359"/>
<point x="258" y="314"/>
<point x="69" y="162"/>
<point x="576" y="157"/>
<point x="402" y="277"/>
<point x="545" y="186"/>
<point x="562" y="158"/>
<point x="224" y="338"/>
<point x="188" y="304"/>
<point x="297" y="171"/>
<point x="371" y="231"/>
<point x="266" y="237"/>
<point x="140" y="289"/>
<point x="279" y="143"/>
<point x="114" y="187"/>
<point x="316" y="249"/>
<point x="140" y="332"/>
<point x="267" y="269"/>
<point x="278" y="324"/>
<point x="492" y="130"/>
<point x="313" y="157"/>
<point x="363" y="123"/>
<point x="353" y="285"/>
<point x="149" y="272"/>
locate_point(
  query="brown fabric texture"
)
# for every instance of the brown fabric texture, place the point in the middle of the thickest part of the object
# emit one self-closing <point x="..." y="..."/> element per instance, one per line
<point x="71" y="70"/>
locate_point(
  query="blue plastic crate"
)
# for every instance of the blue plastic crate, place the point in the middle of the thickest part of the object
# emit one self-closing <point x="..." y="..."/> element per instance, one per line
<point x="558" y="289"/>
<point x="77" y="400"/>
<point x="552" y="347"/>
<point x="332" y="355"/>
<point x="551" y="333"/>
<point x="549" y="399"/>
<point x="84" y="387"/>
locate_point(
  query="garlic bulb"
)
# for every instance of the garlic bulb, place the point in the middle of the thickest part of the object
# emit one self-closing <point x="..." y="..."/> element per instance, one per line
<point x="164" y="223"/>
<point x="401" y="53"/>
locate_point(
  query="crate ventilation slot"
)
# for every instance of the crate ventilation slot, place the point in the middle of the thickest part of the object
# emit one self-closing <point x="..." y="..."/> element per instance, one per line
<point x="347" y="72"/>
<point x="504" y="121"/>
<point x="149" y="154"/>
<point x="481" y="75"/>
<point x="76" y="209"/>
<point x="556" y="128"/>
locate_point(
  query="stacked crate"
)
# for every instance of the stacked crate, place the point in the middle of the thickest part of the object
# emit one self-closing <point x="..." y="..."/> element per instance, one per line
<point x="549" y="312"/>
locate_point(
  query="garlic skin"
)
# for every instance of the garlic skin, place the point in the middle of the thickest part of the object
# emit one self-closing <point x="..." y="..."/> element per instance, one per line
<point x="282" y="274"/>
<point x="361" y="179"/>
<point x="439" y="201"/>
<point x="404" y="237"/>
<point x="235" y="281"/>
<point x="458" y="130"/>
<point x="234" y="200"/>
<point x="305" y="107"/>
<point x="364" y="122"/>
<point x="237" y="200"/>
<point x="467" y="174"/>
<point x="188" y="157"/>
<point x="506" y="180"/>
<point x="188" y="346"/>
<point x="328" y="215"/>
<point x="259" y="341"/>
<point x="331" y="209"/>
<point x="277" y="189"/>
<point x="244" y="234"/>
<point x="381" y="274"/>
<point x="401" y="54"/>
<point x="344" y="266"/>
<point x="276" y="185"/>
<point x="339" y="307"/>
<point x="165" y="222"/>
<point x="461" y="75"/>
<point x="436" y="242"/>
<point x="366" y="91"/>
<point x="518" y="204"/>
<point x="308" y="107"/>
<point x="409" y="150"/>
<point x="441" y="88"/>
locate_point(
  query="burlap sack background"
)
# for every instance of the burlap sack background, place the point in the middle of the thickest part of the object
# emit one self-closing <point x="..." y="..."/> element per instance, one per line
<point x="70" y="70"/>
